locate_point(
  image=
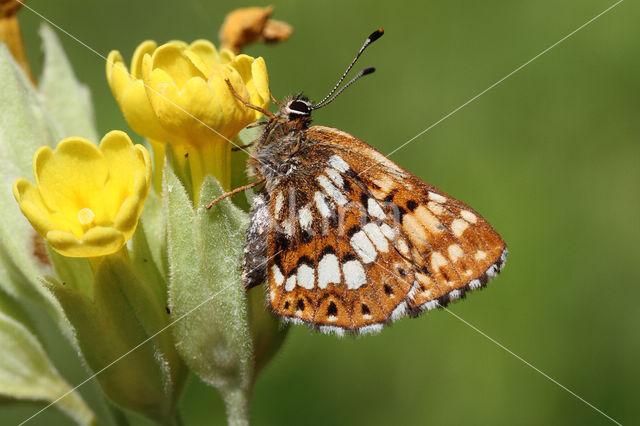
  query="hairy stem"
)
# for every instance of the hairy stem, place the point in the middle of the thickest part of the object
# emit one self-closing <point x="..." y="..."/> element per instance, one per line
<point x="237" y="403"/>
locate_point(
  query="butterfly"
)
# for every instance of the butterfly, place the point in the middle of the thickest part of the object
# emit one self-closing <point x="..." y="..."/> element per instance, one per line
<point x="345" y="239"/>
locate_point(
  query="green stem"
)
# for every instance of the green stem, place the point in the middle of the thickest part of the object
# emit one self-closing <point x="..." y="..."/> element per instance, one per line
<point x="119" y="417"/>
<point x="237" y="403"/>
<point x="177" y="419"/>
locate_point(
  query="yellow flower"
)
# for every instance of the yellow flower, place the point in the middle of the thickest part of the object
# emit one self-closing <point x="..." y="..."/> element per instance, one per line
<point x="128" y="90"/>
<point x="87" y="200"/>
<point x="187" y="89"/>
<point x="186" y="101"/>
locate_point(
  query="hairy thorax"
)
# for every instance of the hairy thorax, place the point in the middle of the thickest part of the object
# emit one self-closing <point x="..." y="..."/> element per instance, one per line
<point x="276" y="151"/>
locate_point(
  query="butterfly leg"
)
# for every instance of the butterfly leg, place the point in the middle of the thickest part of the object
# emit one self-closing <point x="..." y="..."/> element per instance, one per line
<point x="233" y="192"/>
<point x="275" y="101"/>
<point x="247" y="103"/>
<point x="242" y="147"/>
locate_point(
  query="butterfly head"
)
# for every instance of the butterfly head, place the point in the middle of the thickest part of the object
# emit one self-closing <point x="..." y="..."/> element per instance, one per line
<point x="299" y="108"/>
<point x="296" y="107"/>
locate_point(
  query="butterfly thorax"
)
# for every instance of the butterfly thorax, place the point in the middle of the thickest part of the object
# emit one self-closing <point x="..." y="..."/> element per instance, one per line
<point x="275" y="151"/>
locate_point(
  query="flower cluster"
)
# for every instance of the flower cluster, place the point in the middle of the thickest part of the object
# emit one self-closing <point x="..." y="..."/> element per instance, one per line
<point x="177" y="94"/>
<point x="103" y="224"/>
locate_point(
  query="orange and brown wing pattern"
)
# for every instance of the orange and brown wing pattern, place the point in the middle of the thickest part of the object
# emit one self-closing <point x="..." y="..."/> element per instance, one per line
<point x="333" y="263"/>
<point x="450" y="247"/>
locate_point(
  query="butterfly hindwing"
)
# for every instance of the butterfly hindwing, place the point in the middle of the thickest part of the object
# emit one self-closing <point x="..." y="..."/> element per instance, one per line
<point x="327" y="253"/>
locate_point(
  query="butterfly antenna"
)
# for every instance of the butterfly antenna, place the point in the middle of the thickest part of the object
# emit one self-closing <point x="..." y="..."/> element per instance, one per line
<point x="362" y="73"/>
<point x="373" y="37"/>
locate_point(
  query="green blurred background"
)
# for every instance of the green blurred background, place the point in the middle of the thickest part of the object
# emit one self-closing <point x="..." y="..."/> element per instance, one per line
<point x="551" y="157"/>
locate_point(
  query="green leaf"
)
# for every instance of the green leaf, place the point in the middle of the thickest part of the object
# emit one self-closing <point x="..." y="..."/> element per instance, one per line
<point x="24" y="126"/>
<point x="121" y="337"/>
<point x="64" y="96"/>
<point x="26" y="373"/>
<point x="205" y="289"/>
<point x="153" y="218"/>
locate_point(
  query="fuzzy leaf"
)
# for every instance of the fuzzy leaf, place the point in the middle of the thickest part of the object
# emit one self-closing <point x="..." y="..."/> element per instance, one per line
<point x="205" y="249"/>
<point x="26" y="373"/>
<point x="124" y="313"/>
<point x="68" y="100"/>
<point x="24" y="126"/>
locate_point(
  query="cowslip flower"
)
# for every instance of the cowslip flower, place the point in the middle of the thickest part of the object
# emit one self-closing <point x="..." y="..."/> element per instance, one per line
<point x="129" y="92"/>
<point x="87" y="200"/>
<point x="187" y="102"/>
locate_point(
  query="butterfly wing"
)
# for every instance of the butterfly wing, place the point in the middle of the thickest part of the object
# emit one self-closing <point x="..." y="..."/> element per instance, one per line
<point x="327" y="254"/>
<point x="358" y="241"/>
<point x="452" y="247"/>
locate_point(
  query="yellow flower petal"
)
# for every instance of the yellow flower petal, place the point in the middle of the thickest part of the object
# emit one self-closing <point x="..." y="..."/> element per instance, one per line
<point x="261" y="80"/>
<point x="226" y="56"/>
<point x="136" y="62"/>
<point x="117" y="74"/>
<point x="74" y="160"/>
<point x="207" y="52"/>
<point x="254" y="75"/>
<point x="172" y="59"/>
<point x="31" y="205"/>
<point x="129" y="92"/>
<point x="87" y="200"/>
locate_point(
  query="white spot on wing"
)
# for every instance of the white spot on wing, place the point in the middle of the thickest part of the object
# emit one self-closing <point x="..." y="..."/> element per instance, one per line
<point x="287" y="227"/>
<point x="306" y="218"/>
<point x="306" y="276"/>
<point x="480" y="255"/>
<point x="321" y="204"/>
<point x="474" y="284"/>
<point x="402" y="247"/>
<point x="331" y="190"/>
<point x="338" y="163"/>
<point x="277" y="275"/>
<point x="354" y="274"/>
<point x="375" y="235"/>
<point x="437" y="260"/>
<point x="435" y="208"/>
<point x="388" y="231"/>
<point x="468" y="216"/>
<point x="363" y="247"/>
<point x="278" y="206"/>
<point x="455" y="252"/>
<point x="334" y="175"/>
<point x="328" y="271"/>
<point x="291" y="283"/>
<point x="374" y="209"/>
<point x="458" y="227"/>
<point x="436" y="197"/>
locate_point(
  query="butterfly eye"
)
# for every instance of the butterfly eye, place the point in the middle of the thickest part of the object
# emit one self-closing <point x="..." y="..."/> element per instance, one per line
<point x="299" y="107"/>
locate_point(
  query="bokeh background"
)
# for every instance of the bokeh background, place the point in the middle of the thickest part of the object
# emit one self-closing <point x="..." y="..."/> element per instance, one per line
<point x="551" y="157"/>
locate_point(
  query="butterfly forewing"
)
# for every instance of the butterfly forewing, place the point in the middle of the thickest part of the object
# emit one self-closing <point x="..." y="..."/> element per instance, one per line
<point x="451" y="248"/>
